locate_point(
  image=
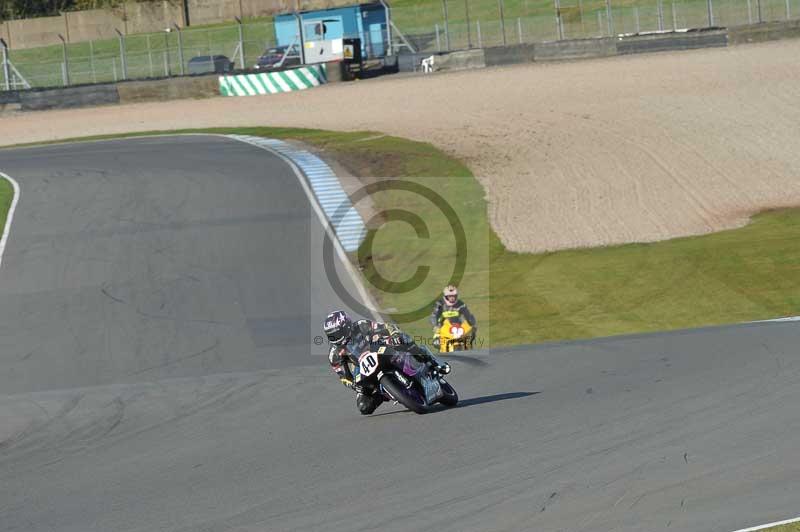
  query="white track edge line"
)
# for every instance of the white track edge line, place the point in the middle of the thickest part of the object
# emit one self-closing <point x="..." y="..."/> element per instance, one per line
<point x="366" y="297"/>
<point x="770" y="525"/>
<point x="10" y="215"/>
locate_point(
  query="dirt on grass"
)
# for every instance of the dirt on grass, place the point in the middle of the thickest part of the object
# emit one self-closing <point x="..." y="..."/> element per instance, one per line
<point x="590" y="153"/>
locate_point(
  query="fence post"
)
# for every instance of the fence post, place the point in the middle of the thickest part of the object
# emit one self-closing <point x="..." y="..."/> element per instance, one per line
<point x="65" y="63"/>
<point x="438" y="41"/>
<point x="674" y="17"/>
<point x="559" y="25"/>
<point x="6" y="70"/>
<point x="610" y="19"/>
<point x="788" y="10"/>
<point x="711" y="13"/>
<point x="600" y="23"/>
<point x="180" y="46"/>
<point x="122" y="59"/>
<point x="469" y="30"/>
<point x="241" y="43"/>
<point x="91" y="61"/>
<point x="749" y="12"/>
<point x="446" y="26"/>
<point x="167" y="69"/>
<point x="760" y="14"/>
<point x="502" y="21"/>
<point x="480" y="40"/>
<point x="150" y="56"/>
<point x="114" y="66"/>
<point x="636" y="18"/>
<point x="519" y="30"/>
<point x="660" y="15"/>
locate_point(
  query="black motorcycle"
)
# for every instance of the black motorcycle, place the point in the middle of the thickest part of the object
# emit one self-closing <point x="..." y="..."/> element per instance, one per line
<point x="402" y="379"/>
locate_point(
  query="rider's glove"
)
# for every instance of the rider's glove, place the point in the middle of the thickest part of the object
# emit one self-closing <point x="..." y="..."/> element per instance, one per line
<point x="437" y="341"/>
<point x="348" y="383"/>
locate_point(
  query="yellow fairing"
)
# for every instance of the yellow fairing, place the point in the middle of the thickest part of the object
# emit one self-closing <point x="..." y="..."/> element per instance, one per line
<point x="454" y="335"/>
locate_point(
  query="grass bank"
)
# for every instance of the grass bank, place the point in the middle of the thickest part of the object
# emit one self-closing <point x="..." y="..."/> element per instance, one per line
<point x="739" y="275"/>
<point x="792" y="527"/>
<point x="6" y="195"/>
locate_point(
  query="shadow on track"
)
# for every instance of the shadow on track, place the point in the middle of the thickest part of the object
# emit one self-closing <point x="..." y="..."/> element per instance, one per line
<point x="492" y="398"/>
<point x="467" y="402"/>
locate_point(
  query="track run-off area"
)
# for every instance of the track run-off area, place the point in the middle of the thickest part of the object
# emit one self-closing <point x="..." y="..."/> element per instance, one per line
<point x="159" y="299"/>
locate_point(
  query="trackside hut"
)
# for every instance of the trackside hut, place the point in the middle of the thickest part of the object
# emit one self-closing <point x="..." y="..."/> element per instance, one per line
<point x="364" y="21"/>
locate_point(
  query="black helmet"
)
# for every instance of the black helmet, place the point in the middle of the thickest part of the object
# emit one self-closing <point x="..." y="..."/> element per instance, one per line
<point x="338" y="327"/>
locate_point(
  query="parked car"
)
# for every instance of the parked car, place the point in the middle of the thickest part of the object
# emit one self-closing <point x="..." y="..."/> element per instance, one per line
<point x="279" y="57"/>
<point x="203" y="64"/>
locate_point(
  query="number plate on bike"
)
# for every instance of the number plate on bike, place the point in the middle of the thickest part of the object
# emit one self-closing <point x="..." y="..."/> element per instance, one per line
<point x="368" y="363"/>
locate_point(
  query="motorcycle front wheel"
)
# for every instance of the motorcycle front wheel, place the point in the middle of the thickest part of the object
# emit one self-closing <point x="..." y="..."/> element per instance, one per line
<point x="409" y="398"/>
<point x="450" y="397"/>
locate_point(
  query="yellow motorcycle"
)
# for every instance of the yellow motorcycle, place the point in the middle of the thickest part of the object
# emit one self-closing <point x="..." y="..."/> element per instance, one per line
<point x="454" y="334"/>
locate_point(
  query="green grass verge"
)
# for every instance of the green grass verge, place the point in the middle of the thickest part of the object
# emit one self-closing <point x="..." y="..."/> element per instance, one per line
<point x="6" y="195"/>
<point x="739" y="275"/>
<point x="793" y="527"/>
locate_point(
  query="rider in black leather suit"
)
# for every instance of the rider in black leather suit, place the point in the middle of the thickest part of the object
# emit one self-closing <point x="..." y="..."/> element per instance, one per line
<point x="350" y="339"/>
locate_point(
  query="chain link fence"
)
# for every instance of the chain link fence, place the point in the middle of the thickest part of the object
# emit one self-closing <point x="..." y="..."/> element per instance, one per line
<point x="437" y="25"/>
<point x="152" y="55"/>
<point x="463" y="24"/>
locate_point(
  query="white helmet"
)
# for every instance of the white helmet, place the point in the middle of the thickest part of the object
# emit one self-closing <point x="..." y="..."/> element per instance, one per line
<point x="450" y="294"/>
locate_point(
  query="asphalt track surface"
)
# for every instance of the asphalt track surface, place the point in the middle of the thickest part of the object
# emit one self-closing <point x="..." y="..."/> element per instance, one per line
<point x="151" y="378"/>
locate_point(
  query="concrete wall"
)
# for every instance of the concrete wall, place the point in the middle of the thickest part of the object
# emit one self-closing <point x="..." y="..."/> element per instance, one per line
<point x="69" y="97"/>
<point x="146" y="17"/>
<point x="672" y="41"/>
<point x="576" y="49"/>
<point x="168" y="89"/>
<point x="769" y="31"/>
<point x="33" y="32"/>
<point x="80" y="26"/>
<point x="509" y="55"/>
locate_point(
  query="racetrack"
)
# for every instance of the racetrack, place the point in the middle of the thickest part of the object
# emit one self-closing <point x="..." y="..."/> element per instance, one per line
<point x="624" y="149"/>
<point x="158" y="373"/>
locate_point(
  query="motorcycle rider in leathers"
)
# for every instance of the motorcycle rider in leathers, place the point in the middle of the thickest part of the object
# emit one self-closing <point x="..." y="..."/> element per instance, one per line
<point x="349" y="340"/>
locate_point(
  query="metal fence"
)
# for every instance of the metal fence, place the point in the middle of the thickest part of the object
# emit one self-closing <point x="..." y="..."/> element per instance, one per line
<point x="438" y="25"/>
<point x="463" y="24"/>
<point x="140" y="56"/>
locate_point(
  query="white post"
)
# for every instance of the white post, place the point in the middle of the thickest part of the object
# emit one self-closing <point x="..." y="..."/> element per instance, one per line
<point x="114" y="67"/>
<point x="600" y="23"/>
<point x="6" y="70"/>
<point x="150" y="56"/>
<point x="519" y="30"/>
<point x="91" y="61"/>
<point x="166" y="64"/>
<point x="660" y="15"/>
<point x="636" y="18"/>
<point x="749" y="13"/>
<point x="480" y="40"/>
<point x="438" y="41"/>
<point x="674" y="17"/>
<point x="559" y="24"/>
